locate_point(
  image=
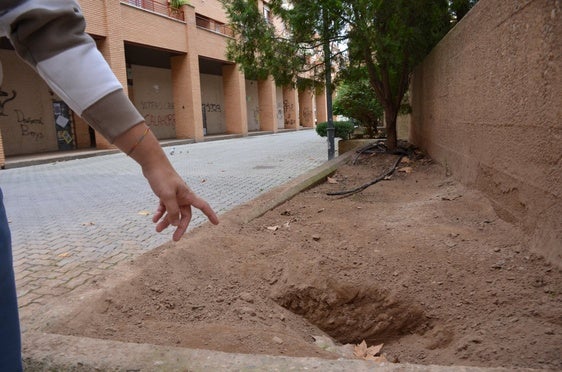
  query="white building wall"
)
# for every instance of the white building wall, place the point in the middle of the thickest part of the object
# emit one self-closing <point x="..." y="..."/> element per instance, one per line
<point x="252" y="105"/>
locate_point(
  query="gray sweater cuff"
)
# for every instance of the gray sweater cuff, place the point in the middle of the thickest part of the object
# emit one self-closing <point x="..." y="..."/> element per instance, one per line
<point x="112" y="115"/>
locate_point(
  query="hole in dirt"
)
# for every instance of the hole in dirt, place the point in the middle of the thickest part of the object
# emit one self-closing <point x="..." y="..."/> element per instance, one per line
<point x="350" y="314"/>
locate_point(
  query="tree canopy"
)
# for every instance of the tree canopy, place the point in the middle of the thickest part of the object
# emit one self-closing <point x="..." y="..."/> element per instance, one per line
<point x="387" y="38"/>
<point x="356" y="100"/>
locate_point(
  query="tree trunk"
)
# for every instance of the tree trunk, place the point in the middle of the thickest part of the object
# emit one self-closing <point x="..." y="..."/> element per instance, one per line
<point x="390" y="115"/>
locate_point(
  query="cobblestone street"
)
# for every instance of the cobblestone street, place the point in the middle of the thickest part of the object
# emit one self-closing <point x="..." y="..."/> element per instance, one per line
<point x="73" y="220"/>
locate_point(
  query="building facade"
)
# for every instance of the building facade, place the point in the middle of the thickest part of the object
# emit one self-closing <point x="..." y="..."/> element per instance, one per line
<point x="172" y="64"/>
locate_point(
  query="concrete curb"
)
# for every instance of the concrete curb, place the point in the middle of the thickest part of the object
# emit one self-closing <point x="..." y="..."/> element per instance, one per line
<point x="49" y="352"/>
<point x="279" y="195"/>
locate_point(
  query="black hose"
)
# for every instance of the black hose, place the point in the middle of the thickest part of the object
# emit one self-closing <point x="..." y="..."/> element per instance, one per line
<point x="363" y="187"/>
<point x="368" y="148"/>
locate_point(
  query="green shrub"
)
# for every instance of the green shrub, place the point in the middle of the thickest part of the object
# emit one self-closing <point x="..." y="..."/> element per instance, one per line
<point x="343" y="129"/>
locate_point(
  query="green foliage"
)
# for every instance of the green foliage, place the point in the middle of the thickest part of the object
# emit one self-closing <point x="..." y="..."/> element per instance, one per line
<point x="178" y="3"/>
<point x="385" y="38"/>
<point x="459" y="8"/>
<point x="357" y="100"/>
<point x="343" y="129"/>
<point x="257" y="48"/>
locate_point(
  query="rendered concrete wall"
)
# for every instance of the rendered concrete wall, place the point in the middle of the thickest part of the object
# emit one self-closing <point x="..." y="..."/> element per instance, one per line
<point x="26" y="113"/>
<point x="153" y="97"/>
<point x="487" y="103"/>
<point x="212" y="101"/>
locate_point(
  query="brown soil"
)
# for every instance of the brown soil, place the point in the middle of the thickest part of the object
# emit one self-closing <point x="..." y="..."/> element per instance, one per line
<point x="418" y="262"/>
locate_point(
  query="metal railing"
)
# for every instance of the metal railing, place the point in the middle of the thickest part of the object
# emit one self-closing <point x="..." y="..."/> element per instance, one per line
<point x="212" y="25"/>
<point x="160" y="7"/>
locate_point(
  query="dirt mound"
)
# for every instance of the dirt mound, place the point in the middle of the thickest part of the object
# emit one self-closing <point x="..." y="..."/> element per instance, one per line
<point x="417" y="262"/>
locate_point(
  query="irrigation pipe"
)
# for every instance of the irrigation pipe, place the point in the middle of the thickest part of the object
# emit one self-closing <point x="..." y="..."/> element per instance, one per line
<point x="363" y="187"/>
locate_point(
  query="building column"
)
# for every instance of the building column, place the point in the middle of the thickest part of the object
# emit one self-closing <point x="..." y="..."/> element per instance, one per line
<point x="236" y="115"/>
<point x="2" y="156"/>
<point x="113" y="50"/>
<point x="82" y="132"/>
<point x="321" y="111"/>
<point x="267" y="104"/>
<point x="291" y="108"/>
<point x="306" y="108"/>
<point x="186" y="85"/>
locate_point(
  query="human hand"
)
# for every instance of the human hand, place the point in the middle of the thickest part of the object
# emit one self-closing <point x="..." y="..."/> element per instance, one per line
<point x="176" y="200"/>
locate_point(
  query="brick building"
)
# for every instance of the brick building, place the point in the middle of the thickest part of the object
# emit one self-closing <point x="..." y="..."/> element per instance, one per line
<point x="172" y="64"/>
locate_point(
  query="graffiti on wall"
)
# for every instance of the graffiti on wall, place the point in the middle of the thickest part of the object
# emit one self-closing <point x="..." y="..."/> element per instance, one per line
<point x="32" y="128"/>
<point x="156" y="105"/>
<point x="307" y="116"/>
<point x="257" y="115"/>
<point x="289" y="112"/>
<point x="154" y="119"/>
<point x="212" y="107"/>
<point x="279" y="112"/>
<point x="5" y="100"/>
<point x="168" y="120"/>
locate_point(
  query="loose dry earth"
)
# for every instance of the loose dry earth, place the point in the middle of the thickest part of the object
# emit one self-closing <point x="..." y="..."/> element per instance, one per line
<point x="418" y="262"/>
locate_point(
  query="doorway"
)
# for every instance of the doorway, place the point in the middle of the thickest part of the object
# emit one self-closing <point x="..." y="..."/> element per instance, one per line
<point x="63" y="126"/>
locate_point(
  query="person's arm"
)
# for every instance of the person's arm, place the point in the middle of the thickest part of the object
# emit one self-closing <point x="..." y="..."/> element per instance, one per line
<point x="50" y="36"/>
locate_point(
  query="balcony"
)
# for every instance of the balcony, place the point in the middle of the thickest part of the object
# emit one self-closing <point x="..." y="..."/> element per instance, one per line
<point x="212" y="25"/>
<point x="159" y="7"/>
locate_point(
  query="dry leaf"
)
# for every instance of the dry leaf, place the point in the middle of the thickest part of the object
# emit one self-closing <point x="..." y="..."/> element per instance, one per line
<point x="273" y="228"/>
<point x="374" y="350"/>
<point x="144" y="213"/>
<point x="405" y="160"/>
<point x="369" y="353"/>
<point x="286" y="224"/>
<point x="332" y="180"/>
<point x="360" y="350"/>
<point x="65" y="254"/>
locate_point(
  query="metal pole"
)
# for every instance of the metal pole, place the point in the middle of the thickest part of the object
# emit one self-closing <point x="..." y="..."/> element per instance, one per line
<point x="328" y="77"/>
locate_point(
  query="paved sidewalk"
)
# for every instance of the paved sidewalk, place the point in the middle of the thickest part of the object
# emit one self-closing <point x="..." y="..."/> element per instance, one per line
<point x="73" y="220"/>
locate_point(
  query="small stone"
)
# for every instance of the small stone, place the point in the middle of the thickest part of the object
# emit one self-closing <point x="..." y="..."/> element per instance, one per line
<point x="248" y="310"/>
<point x="245" y="296"/>
<point x="316" y="237"/>
<point x="450" y="244"/>
<point x="498" y="265"/>
<point x="277" y="340"/>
